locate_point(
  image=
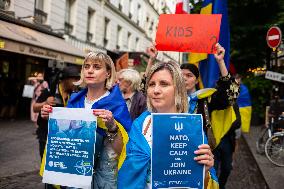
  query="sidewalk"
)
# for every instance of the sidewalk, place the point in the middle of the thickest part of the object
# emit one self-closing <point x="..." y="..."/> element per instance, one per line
<point x="273" y="175"/>
<point x="19" y="156"/>
<point x="19" y="161"/>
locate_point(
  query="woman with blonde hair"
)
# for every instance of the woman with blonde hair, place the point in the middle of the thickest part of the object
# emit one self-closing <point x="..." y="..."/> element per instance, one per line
<point x="100" y="94"/>
<point x="165" y="94"/>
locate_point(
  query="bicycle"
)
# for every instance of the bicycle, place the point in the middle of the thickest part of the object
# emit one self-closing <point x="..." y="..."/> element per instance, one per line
<point x="274" y="146"/>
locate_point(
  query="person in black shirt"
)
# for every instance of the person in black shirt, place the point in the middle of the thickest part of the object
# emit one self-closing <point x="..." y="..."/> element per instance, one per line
<point x="58" y="98"/>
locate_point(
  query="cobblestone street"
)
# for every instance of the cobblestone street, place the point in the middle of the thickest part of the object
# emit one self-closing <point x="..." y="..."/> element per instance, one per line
<point x="20" y="168"/>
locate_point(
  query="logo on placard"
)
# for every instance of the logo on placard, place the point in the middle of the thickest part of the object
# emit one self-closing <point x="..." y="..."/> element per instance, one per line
<point x="50" y="163"/>
<point x="56" y="164"/>
<point x="83" y="168"/>
<point x="178" y="126"/>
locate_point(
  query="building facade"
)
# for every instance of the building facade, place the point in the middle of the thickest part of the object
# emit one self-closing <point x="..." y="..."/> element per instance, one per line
<point x="98" y="25"/>
<point x="41" y="36"/>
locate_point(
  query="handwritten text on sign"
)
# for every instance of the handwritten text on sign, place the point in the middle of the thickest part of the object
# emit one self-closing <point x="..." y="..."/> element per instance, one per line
<point x="188" y="32"/>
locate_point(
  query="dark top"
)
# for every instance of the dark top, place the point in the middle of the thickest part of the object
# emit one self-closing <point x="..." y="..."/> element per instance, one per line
<point x="138" y="105"/>
<point x="42" y="129"/>
<point x="226" y="95"/>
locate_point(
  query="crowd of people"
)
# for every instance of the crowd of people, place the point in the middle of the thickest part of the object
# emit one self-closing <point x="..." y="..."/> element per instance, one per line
<point x="124" y="101"/>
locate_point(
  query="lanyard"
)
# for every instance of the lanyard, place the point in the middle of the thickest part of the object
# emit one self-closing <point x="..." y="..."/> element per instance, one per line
<point x="61" y="94"/>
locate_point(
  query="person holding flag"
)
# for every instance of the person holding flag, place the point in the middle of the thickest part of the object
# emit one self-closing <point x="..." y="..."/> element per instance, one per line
<point x="100" y="94"/>
<point x="206" y="101"/>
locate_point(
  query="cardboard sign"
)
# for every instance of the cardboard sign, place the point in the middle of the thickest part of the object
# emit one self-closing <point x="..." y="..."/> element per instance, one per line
<point x="196" y="33"/>
<point x="175" y="138"/>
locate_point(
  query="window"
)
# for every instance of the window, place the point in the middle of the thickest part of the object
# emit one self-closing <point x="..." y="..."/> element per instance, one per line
<point x="39" y="14"/>
<point x="69" y="5"/>
<point x="129" y="40"/>
<point x="138" y="14"/>
<point x="106" y="31"/>
<point x="5" y="4"/>
<point x="130" y="9"/>
<point x="39" y="4"/>
<point x="120" y="5"/>
<point x="90" y="24"/>
<point x="119" y="37"/>
<point x="137" y="42"/>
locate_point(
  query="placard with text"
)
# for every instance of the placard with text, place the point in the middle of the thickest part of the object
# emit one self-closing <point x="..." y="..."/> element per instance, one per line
<point x="197" y="33"/>
<point x="175" y="138"/>
<point x="70" y="147"/>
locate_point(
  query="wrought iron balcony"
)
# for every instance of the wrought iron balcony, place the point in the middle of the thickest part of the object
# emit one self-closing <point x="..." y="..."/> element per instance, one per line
<point x="89" y="36"/>
<point x="105" y="42"/>
<point x="68" y="28"/>
<point x="40" y="16"/>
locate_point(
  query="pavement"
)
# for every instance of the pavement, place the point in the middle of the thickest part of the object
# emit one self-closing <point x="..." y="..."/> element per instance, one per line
<point x="273" y="175"/>
<point x="19" y="160"/>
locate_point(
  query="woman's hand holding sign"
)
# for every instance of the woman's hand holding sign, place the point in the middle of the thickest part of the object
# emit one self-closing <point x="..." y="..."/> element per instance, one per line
<point x="204" y="156"/>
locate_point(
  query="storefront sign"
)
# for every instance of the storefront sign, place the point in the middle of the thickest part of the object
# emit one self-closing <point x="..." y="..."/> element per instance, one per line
<point x="70" y="147"/>
<point x="31" y="50"/>
<point x="43" y="52"/>
<point x="175" y="138"/>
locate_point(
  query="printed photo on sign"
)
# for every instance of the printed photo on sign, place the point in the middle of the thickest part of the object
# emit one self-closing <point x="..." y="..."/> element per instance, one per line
<point x="70" y="147"/>
<point x="175" y="138"/>
<point x="70" y="140"/>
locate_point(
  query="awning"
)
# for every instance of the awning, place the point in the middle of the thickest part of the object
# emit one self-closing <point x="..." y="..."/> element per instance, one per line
<point x="23" y="40"/>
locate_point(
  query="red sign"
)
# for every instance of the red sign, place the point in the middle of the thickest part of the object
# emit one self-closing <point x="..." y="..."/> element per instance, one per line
<point x="197" y="33"/>
<point x="274" y="37"/>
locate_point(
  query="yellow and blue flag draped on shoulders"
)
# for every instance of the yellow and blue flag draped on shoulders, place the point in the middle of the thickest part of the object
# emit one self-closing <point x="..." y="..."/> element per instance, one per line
<point x="244" y="102"/>
<point x="221" y="120"/>
<point x="135" y="170"/>
<point x="208" y="67"/>
<point x="113" y="102"/>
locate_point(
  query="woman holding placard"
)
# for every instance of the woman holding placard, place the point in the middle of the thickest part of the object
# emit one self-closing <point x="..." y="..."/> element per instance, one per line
<point x="100" y="94"/>
<point x="165" y="94"/>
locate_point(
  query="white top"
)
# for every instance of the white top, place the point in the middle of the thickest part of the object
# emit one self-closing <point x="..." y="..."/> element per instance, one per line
<point x="107" y="145"/>
<point x="89" y="103"/>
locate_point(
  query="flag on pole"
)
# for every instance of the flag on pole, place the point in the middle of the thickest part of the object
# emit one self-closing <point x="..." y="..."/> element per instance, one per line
<point x="182" y="7"/>
<point x="208" y="67"/>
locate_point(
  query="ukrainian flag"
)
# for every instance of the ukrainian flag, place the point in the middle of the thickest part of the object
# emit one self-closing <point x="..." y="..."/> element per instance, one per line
<point x="208" y="67"/>
<point x="244" y="102"/>
<point x="113" y="102"/>
<point x="134" y="172"/>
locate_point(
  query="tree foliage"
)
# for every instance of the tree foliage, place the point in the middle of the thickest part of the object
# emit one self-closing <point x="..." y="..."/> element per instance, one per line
<point x="249" y="22"/>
